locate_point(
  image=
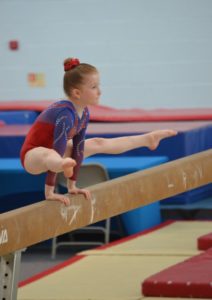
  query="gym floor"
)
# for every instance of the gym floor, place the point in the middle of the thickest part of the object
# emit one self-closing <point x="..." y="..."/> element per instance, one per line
<point x="37" y="258"/>
<point x="116" y="271"/>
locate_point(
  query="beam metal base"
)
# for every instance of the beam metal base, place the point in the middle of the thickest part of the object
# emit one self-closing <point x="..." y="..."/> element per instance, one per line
<point x="9" y="273"/>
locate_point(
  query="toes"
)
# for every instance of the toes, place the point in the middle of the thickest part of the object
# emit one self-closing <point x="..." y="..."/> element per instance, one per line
<point x="67" y="166"/>
<point x="172" y="132"/>
<point x="68" y="173"/>
<point x="70" y="162"/>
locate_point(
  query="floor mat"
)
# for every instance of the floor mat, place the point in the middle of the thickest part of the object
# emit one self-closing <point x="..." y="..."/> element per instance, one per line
<point x="117" y="272"/>
<point x="190" y="278"/>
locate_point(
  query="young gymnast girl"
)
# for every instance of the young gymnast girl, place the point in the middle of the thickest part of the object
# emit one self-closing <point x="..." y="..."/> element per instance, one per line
<point x="56" y="141"/>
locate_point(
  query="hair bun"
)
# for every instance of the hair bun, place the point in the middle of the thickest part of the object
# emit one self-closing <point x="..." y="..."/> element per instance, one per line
<point x="71" y="63"/>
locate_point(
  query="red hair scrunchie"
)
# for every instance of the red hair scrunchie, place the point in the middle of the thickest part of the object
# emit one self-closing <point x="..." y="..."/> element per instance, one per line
<point x="72" y="63"/>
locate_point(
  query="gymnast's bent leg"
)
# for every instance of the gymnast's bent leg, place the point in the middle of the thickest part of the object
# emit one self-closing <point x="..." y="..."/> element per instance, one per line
<point x="40" y="159"/>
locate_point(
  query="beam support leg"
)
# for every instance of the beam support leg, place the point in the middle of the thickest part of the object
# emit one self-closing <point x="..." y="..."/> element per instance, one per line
<point x="9" y="274"/>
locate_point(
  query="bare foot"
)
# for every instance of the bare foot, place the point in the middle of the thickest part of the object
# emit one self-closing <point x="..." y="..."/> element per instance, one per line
<point x="156" y="136"/>
<point x="67" y="165"/>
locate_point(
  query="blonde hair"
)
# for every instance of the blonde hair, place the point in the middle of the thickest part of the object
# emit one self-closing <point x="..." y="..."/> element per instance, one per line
<point x="75" y="73"/>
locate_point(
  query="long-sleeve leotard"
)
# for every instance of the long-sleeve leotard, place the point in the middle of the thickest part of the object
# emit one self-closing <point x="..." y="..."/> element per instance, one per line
<point x="53" y="128"/>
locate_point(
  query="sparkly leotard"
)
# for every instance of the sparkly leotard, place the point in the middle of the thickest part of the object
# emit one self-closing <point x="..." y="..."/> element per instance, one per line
<point x="53" y="128"/>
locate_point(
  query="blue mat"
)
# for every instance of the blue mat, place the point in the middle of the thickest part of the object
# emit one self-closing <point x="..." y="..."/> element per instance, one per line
<point x="18" y="188"/>
<point x="18" y="117"/>
<point x="185" y="143"/>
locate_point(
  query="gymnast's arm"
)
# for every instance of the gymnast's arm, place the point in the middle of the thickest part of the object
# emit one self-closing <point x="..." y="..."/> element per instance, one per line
<point x="63" y="124"/>
<point x="77" y="155"/>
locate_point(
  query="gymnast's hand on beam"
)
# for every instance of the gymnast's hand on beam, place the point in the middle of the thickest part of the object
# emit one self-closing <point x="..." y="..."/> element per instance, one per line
<point x="51" y="195"/>
<point x="73" y="189"/>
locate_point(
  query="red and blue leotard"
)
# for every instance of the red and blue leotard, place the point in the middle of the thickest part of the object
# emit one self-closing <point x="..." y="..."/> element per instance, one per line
<point x="53" y="128"/>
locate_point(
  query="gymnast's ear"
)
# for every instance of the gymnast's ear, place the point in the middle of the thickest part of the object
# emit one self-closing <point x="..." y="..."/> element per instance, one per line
<point x="75" y="93"/>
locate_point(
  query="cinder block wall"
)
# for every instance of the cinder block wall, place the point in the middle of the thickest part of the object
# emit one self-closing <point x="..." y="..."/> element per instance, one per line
<point x="151" y="53"/>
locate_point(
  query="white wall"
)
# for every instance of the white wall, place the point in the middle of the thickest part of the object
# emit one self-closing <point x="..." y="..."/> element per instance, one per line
<point x="151" y="53"/>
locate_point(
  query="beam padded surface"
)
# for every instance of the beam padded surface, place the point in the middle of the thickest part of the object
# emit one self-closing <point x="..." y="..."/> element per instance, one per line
<point x="38" y="222"/>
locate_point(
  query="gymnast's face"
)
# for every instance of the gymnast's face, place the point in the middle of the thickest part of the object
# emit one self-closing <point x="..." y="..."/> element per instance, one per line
<point x="89" y="91"/>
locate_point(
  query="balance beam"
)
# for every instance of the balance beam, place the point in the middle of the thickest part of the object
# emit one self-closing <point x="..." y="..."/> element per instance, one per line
<point x="32" y="224"/>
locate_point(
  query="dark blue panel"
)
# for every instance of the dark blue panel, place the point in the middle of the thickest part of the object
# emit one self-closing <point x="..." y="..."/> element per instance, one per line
<point x="18" y="117"/>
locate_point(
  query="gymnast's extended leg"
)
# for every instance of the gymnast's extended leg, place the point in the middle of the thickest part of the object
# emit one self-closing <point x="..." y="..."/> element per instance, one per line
<point x="115" y="146"/>
<point x="122" y="144"/>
